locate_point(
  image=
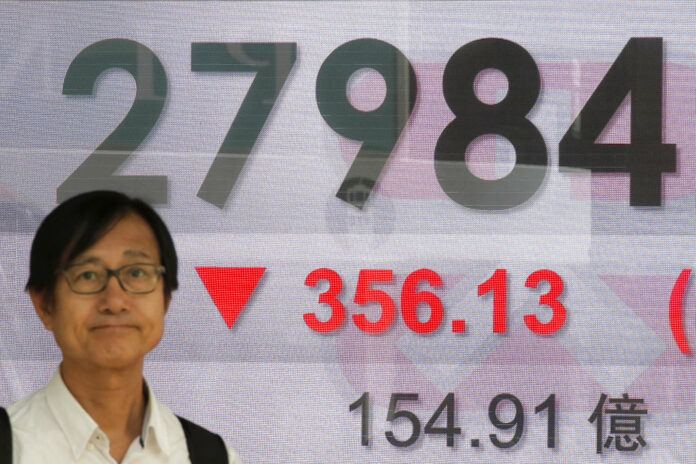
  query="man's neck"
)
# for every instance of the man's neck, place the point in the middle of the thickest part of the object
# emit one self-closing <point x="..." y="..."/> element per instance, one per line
<point x="114" y="399"/>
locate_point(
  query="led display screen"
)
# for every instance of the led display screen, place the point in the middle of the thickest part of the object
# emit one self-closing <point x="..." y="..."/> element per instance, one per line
<point x="408" y="231"/>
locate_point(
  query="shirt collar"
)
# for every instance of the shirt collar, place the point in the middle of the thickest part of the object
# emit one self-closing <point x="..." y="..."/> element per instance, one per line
<point x="79" y="427"/>
<point x="154" y="428"/>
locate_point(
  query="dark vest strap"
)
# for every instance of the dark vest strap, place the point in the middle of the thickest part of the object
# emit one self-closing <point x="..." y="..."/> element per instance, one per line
<point x="204" y="446"/>
<point x="5" y="438"/>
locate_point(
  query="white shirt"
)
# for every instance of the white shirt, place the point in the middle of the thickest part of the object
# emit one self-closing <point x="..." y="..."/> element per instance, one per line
<point x="50" y="426"/>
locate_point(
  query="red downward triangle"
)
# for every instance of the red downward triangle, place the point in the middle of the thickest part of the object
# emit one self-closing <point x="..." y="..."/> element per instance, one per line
<point x="230" y="288"/>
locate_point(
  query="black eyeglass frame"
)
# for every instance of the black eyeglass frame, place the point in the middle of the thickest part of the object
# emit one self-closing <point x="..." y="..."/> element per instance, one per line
<point x="159" y="270"/>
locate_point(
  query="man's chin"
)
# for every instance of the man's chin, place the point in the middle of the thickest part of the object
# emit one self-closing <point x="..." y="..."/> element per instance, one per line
<point x="116" y="358"/>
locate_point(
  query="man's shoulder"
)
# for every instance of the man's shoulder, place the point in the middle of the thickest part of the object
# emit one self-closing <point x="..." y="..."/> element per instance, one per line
<point x="32" y="417"/>
<point x="24" y="412"/>
<point x="36" y="435"/>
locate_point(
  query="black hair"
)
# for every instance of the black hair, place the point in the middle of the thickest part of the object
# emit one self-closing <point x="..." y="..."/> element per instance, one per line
<point x="78" y="223"/>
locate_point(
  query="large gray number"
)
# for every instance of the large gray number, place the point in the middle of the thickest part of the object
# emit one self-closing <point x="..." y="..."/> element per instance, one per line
<point x="272" y="63"/>
<point x="96" y="172"/>
<point x="475" y="118"/>
<point x="378" y="130"/>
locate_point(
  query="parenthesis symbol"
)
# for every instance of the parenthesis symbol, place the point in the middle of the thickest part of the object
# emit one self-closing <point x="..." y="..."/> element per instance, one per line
<point x="675" y="311"/>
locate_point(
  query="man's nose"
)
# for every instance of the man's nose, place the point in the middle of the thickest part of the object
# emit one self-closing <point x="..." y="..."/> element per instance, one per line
<point x="114" y="296"/>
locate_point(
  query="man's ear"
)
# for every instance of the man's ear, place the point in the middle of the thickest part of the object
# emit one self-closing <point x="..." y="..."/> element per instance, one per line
<point x="43" y="308"/>
<point x="167" y="300"/>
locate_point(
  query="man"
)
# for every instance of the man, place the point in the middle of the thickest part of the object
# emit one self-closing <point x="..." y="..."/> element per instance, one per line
<point x="102" y="271"/>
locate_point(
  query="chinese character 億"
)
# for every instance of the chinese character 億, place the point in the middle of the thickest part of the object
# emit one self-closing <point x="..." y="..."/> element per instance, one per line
<point x="624" y="423"/>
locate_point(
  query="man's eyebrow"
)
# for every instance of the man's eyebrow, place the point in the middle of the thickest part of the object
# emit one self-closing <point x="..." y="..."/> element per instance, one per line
<point x="94" y="260"/>
<point x="136" y="254"/>
<point x="84" y="260"/>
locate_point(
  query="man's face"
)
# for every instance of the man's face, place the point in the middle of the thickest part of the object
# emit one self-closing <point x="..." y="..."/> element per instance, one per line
<point x="113" y="328"/>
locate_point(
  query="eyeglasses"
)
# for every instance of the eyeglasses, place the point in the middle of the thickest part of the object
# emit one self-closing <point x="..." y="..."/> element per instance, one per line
<point x="91" y="278"/>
